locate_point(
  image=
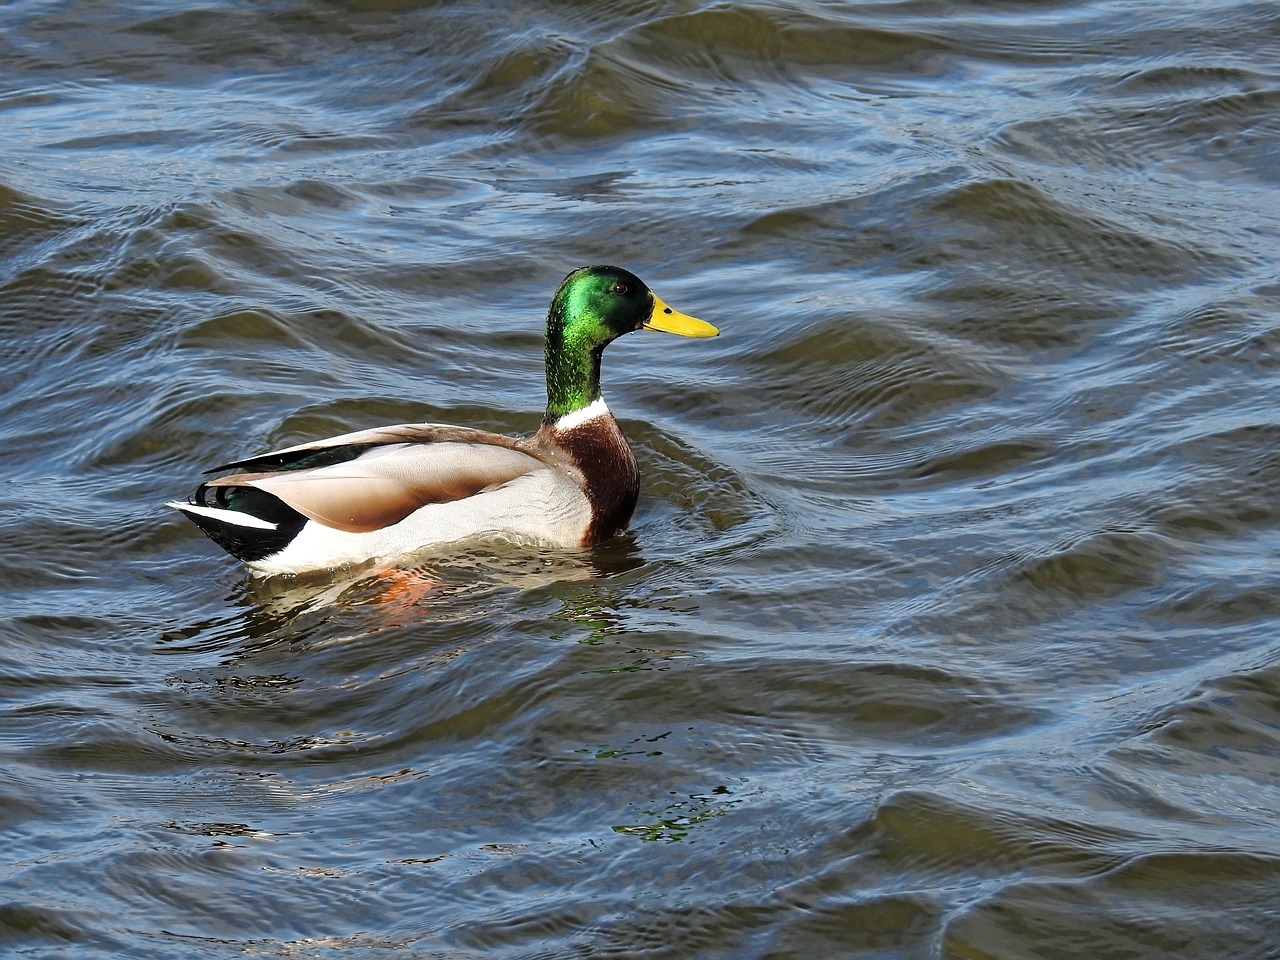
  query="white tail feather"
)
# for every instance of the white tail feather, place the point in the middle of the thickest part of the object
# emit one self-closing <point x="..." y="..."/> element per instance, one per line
<point x="226" y="516"/>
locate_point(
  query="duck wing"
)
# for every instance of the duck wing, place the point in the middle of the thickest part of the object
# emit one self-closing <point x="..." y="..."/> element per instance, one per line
<point x="364" y="481"/>
<point x="348" y="446"/>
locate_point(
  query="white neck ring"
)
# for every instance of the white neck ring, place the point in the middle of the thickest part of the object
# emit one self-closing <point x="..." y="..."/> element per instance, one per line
<point x="597" y="408"/>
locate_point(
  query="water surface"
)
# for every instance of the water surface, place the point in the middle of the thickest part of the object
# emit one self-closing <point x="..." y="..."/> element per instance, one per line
<point x="946" y="625"/>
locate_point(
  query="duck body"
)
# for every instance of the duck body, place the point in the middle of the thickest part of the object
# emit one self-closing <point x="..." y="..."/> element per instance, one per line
<point x="396" y="490"/>
<point x="393" y="491"/>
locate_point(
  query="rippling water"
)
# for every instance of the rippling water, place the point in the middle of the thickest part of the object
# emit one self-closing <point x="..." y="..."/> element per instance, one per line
<point x="947" y="625"/>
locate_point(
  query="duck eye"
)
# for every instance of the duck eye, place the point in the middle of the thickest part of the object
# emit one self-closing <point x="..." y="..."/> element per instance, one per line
<point x="619" y="289"/>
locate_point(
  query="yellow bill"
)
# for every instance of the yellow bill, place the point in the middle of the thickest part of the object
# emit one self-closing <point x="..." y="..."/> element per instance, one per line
<point x="673" y="321"/>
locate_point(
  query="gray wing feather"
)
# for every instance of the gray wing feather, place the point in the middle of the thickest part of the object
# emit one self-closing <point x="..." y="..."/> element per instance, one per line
<point x="389" y="481"/>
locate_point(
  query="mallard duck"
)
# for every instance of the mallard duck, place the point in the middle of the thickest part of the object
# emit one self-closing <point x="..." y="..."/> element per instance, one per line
<point x="392" y="491"/>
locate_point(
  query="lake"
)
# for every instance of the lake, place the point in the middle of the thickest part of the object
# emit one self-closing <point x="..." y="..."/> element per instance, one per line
<point x="948" y="623"/>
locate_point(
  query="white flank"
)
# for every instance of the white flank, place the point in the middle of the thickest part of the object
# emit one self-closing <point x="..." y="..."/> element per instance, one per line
<point x="577" y="418"/>
<point x="541" y="507"/>
<point x="226" y="516"/>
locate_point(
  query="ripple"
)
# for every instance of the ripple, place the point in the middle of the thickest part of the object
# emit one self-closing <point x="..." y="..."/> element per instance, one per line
<point x="1226" y="729"/>
<point x="867" y="372"/>
<point x="830" y="41"/>
<point x="1084" y="240"/>
<point x="918" y="708"/>
<point x="1137" y="136"/>
<point x="24" y="925"/>
<point x="1146" y="905"/>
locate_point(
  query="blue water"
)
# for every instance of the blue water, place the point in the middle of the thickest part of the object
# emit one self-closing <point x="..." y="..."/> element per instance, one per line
<point x="947" y="622"/>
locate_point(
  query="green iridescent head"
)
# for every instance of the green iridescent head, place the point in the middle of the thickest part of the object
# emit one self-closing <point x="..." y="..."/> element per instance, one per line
<point x="592" y="308"/>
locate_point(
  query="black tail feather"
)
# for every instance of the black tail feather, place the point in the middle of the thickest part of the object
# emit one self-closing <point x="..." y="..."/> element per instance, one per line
<point x="246" y="543"/>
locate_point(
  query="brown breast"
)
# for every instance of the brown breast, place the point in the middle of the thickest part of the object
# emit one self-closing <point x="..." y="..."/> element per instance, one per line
<point x="610" y="477"/>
